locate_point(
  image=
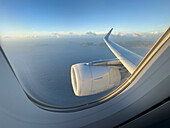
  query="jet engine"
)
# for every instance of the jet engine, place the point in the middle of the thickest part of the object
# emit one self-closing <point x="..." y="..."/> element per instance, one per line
<point x="95" y="77"/>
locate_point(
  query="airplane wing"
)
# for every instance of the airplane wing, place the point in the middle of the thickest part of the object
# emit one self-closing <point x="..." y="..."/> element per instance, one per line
<point x="95" y="77"/>
<point x="129" y="59"/>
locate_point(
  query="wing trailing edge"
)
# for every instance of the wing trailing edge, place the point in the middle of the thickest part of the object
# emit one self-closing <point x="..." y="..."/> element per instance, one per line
<point x="129" y="59"/>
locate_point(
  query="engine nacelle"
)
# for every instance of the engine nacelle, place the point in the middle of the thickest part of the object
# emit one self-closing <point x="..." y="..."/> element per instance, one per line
<point x="95" y="77"/>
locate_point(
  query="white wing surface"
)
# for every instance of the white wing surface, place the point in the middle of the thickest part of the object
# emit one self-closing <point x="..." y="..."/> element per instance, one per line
<point x="129" y="59"/>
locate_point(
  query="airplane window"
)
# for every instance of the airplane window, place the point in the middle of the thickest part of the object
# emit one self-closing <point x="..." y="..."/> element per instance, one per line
<point x="57" y="50"/>
<point x="43" y="67"/>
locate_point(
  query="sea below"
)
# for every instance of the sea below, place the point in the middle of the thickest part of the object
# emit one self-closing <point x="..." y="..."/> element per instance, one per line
<point x="43" y="66"/>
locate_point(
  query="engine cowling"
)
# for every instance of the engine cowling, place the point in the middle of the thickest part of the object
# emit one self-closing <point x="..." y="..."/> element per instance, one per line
<point x="88" y="79"/>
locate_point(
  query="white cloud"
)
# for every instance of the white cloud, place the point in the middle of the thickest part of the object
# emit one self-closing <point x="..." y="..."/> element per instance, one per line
<point x="154" y="33"/>
<point x="48" y="34"/>
<point x="71" y="33"/>
<point x="121" y="34"/>
<point x="5" y="37"/>
<point x="101" y="33"/>
<point x="118" y="35"/>
<point x="57" y="35"/>
<point x="91" y="33"/>
<point x="137" y="35"/>
<point x="31" y="36"/>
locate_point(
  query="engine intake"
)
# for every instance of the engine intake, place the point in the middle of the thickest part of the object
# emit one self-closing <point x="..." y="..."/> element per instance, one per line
<point x="95" y="77"/>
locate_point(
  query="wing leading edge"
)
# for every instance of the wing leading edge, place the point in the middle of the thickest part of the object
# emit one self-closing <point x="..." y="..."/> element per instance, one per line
<point x="129" y="59"/>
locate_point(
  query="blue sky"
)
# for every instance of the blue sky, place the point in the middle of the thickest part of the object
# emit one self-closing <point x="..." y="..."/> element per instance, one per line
<point x="59" y="17"/>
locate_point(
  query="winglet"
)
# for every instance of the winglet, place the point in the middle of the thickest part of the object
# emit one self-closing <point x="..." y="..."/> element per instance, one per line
<point x="108" y="34"/>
